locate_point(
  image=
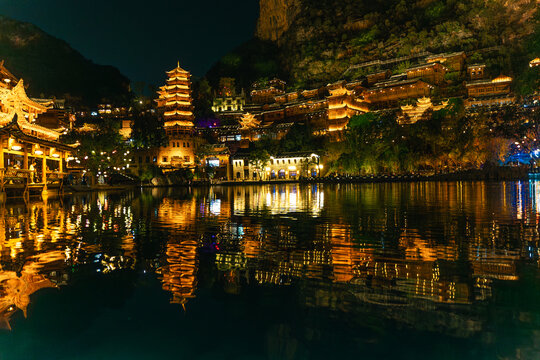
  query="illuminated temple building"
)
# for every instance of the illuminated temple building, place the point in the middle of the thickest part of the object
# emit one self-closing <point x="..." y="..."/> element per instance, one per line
<point x="176" y="103"/>
<point x="23" y="142"/>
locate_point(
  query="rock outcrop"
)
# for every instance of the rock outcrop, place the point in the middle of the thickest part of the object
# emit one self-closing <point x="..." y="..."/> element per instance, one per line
<point x="275" y="18"/>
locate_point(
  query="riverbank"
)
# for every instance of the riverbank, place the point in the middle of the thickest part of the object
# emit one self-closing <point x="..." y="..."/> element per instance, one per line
<point x="488" y="174"/>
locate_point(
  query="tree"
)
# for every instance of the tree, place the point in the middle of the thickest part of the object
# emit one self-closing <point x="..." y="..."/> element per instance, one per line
<point x="202" y="99"/>
<point x="147" y="131"/>
<point x="103" y="150"/>
<point x="259" y="158"/>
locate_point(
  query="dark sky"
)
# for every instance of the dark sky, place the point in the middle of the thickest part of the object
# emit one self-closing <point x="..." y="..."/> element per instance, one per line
<point x="143" y="38"/>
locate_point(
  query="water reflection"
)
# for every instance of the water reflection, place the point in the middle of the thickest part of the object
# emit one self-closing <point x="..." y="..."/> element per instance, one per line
<point x="429" y="256"/>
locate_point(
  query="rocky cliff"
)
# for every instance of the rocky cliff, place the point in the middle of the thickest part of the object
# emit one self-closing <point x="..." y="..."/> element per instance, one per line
<point x="320" y="40"/>
<point x="52" y="68"/>
<point x="275" y="18"/>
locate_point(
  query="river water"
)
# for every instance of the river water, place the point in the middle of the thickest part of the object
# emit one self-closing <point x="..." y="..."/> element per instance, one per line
<point x="370" y="271"/>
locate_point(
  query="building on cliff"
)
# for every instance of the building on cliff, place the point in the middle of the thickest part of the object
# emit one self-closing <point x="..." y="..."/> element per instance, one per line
<point x="490" y="92"/>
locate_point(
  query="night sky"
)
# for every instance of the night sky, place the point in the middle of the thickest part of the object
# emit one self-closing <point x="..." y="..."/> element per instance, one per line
<point x="143" y="38"/>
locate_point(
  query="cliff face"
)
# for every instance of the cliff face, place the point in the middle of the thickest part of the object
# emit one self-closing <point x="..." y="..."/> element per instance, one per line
<point x="319" y="41"/>
<point x="52" y="68"/>
<point x="275" y="18"/>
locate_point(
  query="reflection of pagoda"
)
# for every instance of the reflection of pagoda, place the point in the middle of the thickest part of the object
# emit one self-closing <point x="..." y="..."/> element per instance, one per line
<point x="178" y="275"/>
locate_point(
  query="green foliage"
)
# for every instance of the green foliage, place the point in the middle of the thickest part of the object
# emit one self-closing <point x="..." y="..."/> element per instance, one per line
<point x="366" y="37"/>
<point x="298" y="138"/>
<point x="259" y="158"/>
<point x="248" y="62"/>
<point x="103" y="149"/>
<point x="147" y="131"/>
<point x="450" y="139"/>
<point x="327" y="37"/>
<point x="202" y="99"/>
<point x="435" y="10"/>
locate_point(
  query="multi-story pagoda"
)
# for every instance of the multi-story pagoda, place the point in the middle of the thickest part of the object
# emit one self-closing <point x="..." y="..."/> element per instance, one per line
<point x="176" y="103"/>
<point x="175" y="98"/>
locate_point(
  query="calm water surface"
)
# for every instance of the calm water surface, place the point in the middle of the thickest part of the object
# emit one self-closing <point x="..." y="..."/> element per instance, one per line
<point x="370" y="271"/>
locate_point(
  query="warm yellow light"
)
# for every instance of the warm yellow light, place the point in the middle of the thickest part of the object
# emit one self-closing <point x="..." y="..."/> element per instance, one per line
<point x="16" y="147"/>
<point x="55" y="155"/>
<point x="38" y="152"/>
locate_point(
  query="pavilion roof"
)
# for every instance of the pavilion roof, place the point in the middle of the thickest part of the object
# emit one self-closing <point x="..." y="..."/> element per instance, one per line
<point x="14" y="129"/>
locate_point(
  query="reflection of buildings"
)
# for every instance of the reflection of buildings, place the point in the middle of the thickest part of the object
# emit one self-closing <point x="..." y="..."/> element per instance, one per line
<point x="277" y="199"/>
<point x="38" y="273"/>
<point x="407" y="259"/>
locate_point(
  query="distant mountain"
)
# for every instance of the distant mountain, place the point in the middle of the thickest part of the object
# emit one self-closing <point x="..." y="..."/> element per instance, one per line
<point x="318" y="40"/>
<point x="51" y="67"/>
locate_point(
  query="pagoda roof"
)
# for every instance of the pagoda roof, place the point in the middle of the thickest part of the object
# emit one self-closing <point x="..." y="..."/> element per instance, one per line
<point x="18" y="94"/>
<point x="178" y="69"/>
<point x="14" y="129"/>
<point x="6" y="74"/>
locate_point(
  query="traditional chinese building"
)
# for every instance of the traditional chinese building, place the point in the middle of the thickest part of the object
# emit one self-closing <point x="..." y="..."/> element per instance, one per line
<point x="490" y="92"/>
<point x="476" y="71"/>
<point x="453" y="61"/>
<point x="393" y="91"/>
<point x="413" y="113"/>
<point x="266" y="93"/>
<point x="342" y="105"/>
<point x="25" y="145"/>
<point x="433" y="73"/>
<point x="176" y="103"/>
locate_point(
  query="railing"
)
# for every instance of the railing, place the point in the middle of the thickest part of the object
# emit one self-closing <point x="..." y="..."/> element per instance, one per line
<point x="29" y="178"/>
<point x="15" y="176"/>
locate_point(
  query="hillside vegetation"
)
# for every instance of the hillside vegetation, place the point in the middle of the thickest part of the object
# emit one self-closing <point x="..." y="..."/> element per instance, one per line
<point x="326" y="37"/>
<point x="52" y="68"/>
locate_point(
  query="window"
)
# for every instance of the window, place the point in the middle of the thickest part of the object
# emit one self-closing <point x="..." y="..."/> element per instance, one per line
<point x="183" y="144"/>
<point x="147" y="159"/>
<point x="165" y="159"/>
<point x="173" y="144"/>
<point x="187" y="144"/>
<point x="154" y="159"/>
